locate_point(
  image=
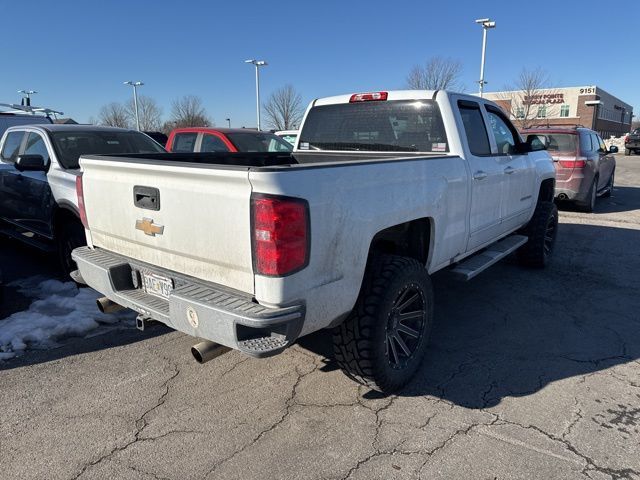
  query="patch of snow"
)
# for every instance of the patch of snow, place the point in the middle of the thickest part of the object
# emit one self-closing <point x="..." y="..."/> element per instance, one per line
<point x="59" y="310"/>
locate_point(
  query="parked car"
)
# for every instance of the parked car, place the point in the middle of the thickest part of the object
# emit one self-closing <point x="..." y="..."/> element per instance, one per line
<point x="205" y="139"/>
<point x="288" y="135"/>
<point x="585" y="168"/>
<point x="342" y="233"/>
<point x="38" y="170"/>
<point x="15" y="119"/>
<point x="632" y="142"/>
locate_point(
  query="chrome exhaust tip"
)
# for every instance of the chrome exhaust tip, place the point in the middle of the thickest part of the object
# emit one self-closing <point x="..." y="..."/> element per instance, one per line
<point x="107" y="306"/>
<point x="205" y="351"/>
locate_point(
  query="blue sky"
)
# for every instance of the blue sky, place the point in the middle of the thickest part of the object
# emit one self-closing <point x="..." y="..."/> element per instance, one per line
<point x="78" y="53"/>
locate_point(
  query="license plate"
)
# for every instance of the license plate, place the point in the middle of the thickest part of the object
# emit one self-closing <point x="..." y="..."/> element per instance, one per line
<point x="157" y="284"/>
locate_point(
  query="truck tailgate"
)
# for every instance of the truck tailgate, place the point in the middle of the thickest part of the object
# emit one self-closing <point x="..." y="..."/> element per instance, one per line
<point x="201" y="229"/>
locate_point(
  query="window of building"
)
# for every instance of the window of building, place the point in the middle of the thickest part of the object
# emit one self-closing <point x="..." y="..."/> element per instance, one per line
<point x="542" y="111"/>
<point x="564" y="111"/>
<point x="520" y="112"/>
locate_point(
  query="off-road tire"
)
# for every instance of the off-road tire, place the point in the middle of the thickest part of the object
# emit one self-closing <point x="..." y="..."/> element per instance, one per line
<point x="627" y="152"/>
<point x="609" y="190"/>
<point x="361" y="344"/>
<point x="542" y="231"/>
<point x="69" y="235"/>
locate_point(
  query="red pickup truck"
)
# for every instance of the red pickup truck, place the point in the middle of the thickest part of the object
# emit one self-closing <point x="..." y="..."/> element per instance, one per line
<point x="205" y="139"/>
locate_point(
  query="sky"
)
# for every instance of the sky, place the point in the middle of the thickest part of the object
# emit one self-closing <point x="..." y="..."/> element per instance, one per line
<point x="77" y="54"/>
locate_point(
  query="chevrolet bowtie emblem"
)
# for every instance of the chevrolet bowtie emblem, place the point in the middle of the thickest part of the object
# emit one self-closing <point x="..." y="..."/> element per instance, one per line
<point x="148" y="227"/>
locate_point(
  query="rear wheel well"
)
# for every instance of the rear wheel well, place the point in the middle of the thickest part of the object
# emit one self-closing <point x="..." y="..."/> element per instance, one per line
<point x="547" y="190"/>
<point x="63" y="216"/>
<point x="410" y="239"/>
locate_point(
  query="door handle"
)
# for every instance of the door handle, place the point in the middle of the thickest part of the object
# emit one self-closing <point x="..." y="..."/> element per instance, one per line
<point x="509" y="170"/>
<point x="480" y="175"/>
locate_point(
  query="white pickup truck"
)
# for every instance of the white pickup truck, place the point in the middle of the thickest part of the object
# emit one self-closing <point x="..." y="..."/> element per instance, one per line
<point x="252" y="251"/>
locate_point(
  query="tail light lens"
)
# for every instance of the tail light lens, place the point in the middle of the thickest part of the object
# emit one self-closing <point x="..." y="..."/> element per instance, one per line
<point x="578" y="162"/>
<point x="280" y="234"/>
<point x="81" y="208"/>
<point x="626" y="139"/>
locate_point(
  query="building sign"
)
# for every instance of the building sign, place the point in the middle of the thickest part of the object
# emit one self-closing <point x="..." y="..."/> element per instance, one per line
<point x="544" y="99"/>
<point x="587" y="90"/>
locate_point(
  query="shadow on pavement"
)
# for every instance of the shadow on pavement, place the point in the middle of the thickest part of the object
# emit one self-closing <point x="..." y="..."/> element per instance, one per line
<point x="511" y="331"/>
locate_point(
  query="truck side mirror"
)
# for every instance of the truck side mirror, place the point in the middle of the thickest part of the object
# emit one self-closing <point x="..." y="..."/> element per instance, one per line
<point x="30" y="163"/>
<point x="613" y="149"/>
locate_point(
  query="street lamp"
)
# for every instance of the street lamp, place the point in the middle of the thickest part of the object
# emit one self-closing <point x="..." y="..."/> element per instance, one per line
<point x="27" y="94"/>
<point x="486" y="23"/>
<point x="257" y="64"/>
<point x="228" y="121"/>
<point x="135" y="86"/>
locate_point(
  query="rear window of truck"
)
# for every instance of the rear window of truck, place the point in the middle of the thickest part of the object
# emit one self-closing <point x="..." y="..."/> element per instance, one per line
<point x="70" y="145"/>
<point x="396" y="126"/>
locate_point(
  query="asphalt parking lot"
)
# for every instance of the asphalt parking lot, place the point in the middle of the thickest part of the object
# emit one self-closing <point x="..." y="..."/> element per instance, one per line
<point x="530" y="374"/>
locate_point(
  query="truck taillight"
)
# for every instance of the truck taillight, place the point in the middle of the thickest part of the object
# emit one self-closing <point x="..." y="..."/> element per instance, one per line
<point x="80" y="194"/>
<point x="368" y="97"/>
<point x="280" y="234"/>
<point x="626" y="139"/>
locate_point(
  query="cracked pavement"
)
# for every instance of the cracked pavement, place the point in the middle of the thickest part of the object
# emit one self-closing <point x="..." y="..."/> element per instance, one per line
<point x="529" y="374"/>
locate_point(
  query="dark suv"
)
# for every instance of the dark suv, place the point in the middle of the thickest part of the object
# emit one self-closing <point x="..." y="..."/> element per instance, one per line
<point x="585" y="168"/>
<point x="632" y="142"/>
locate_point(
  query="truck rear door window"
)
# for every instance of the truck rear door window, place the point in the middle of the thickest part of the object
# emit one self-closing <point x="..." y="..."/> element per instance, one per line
<point x="395" y="126"/>
<point x="184" y="142"/>
<point x="475" y="129"/>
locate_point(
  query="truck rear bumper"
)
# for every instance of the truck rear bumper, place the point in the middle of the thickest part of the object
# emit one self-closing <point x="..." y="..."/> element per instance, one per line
<point x="196" y="308"/>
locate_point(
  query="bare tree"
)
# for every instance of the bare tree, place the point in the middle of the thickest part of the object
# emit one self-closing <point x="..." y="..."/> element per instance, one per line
<point x="188" y="111"/>
<point x="531" y="99"/>
<point x="114" y="114"/>
<point x="284" y="109"/>
<point x="438" y="73"/>
<point x="149" y="113"/>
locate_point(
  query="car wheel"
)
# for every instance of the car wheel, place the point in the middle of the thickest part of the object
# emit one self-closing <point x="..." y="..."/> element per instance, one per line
<point x="627" y="152"/>
<point x="70" y="235"/>
<point x="609" y="190"/>
<point x="383" y="341"/>
<point x="542" y="231"/>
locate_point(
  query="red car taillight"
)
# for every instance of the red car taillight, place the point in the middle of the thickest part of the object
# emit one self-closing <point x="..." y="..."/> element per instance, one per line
<point x="81" y="208"/>
<point x="280" y="234"/>
<point x="578" y="162"/>
<point x="626" y="139"/>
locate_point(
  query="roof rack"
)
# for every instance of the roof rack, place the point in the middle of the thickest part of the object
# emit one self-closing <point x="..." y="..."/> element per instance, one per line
<point x="29" y="109"/>
<point x="550" y="125"/>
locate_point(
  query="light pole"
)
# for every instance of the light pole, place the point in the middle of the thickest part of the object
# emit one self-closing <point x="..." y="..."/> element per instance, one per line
<point x="486" y="25"/>
<point x="135" y="86"/>
<point x="228" y="121"/>
<point x="257" y="64"/>
<point x="27" y="95"/>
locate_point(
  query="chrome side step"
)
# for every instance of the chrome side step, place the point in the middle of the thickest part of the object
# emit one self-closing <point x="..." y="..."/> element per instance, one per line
<point x="472" y="266"/>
